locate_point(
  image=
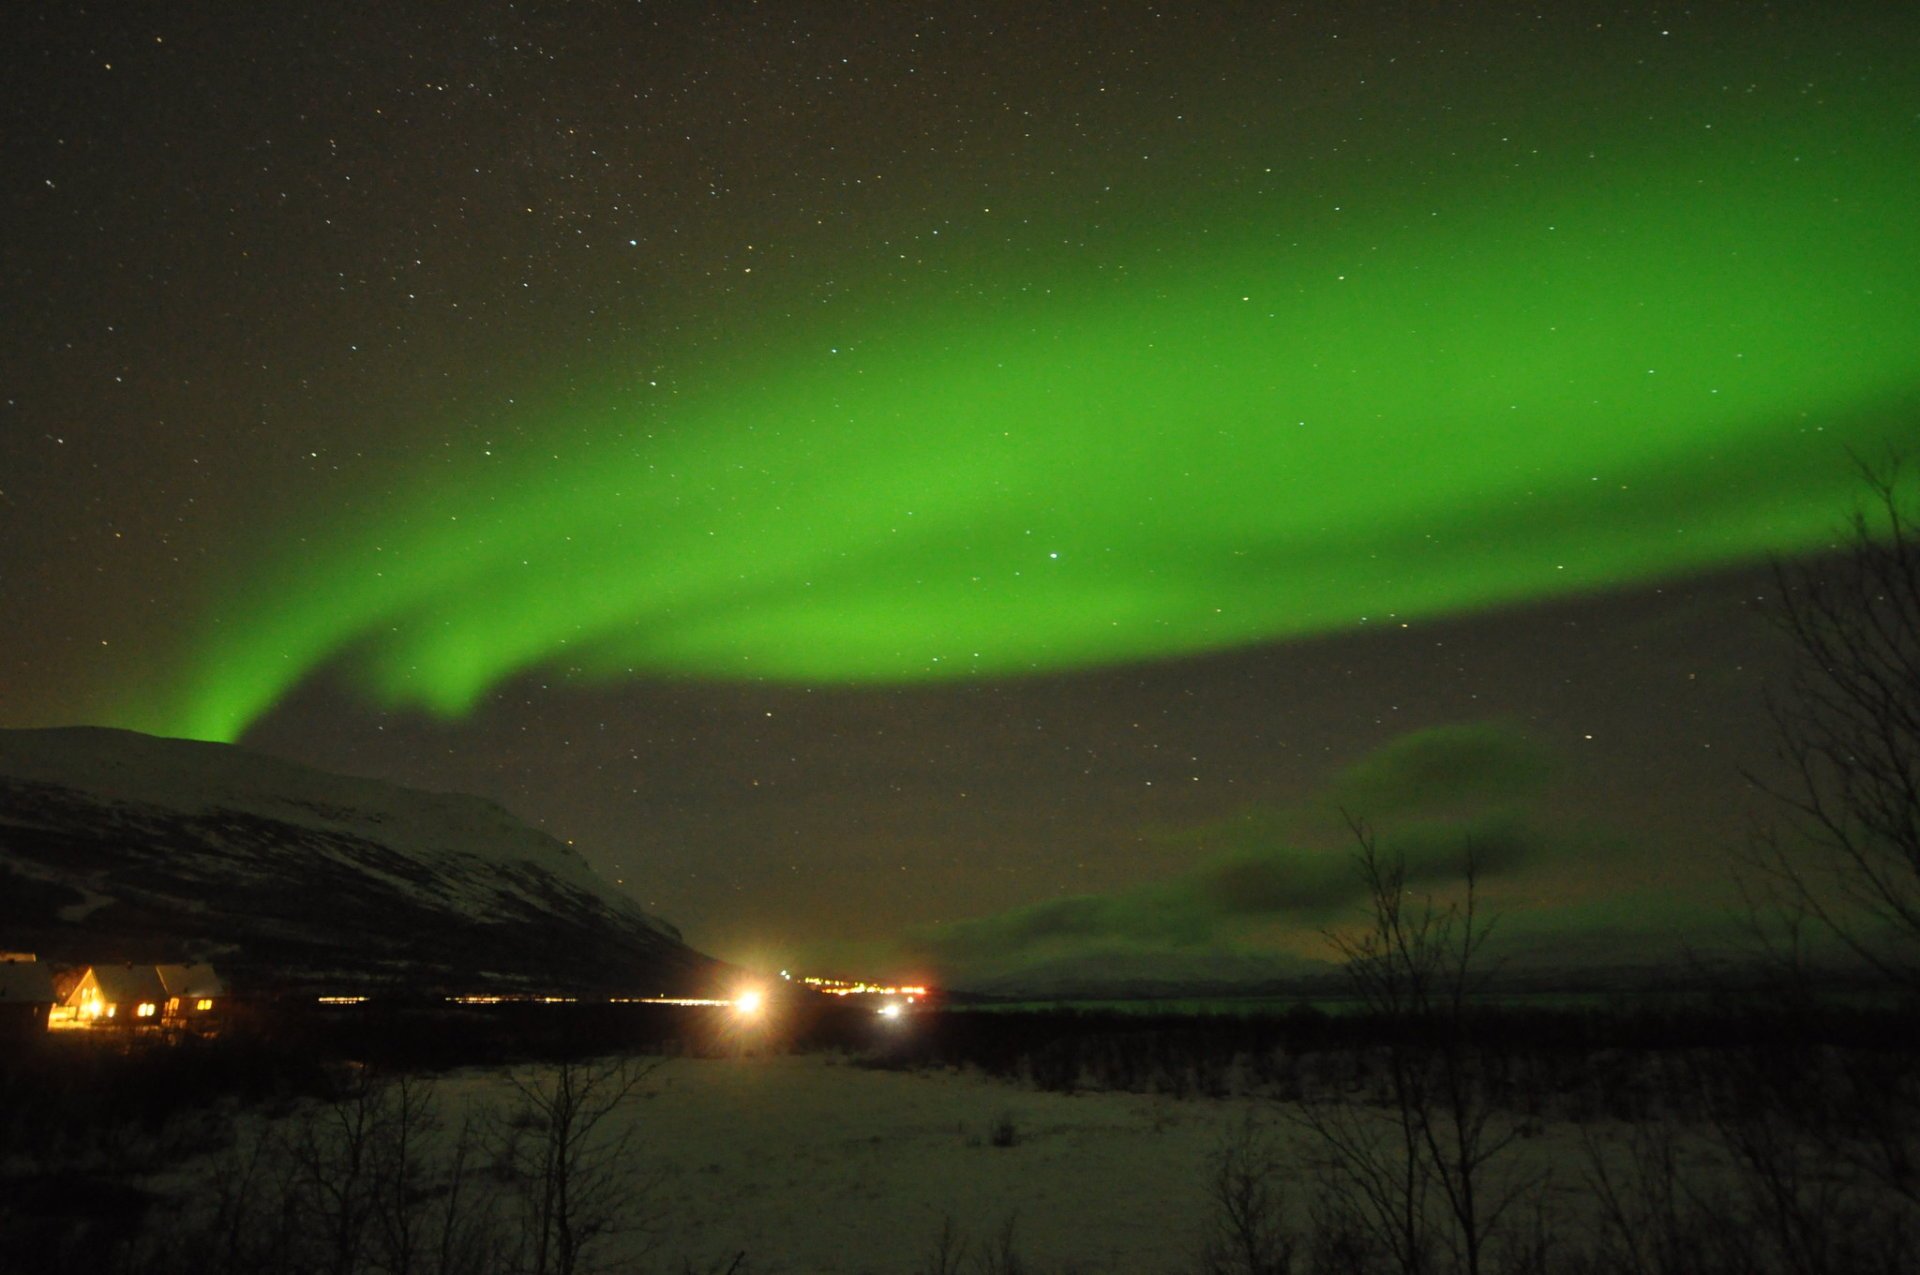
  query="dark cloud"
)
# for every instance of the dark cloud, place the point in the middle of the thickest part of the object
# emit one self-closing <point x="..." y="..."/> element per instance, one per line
<point x="1460" y="767"/>
<point x="1674" y="928"/>
<point x="1442" y="796"/>
<point x="1273" y="882"/>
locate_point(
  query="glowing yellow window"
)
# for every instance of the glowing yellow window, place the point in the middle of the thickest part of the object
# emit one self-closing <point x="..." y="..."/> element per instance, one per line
<point x="203" y="1003"/>
<point x="146" y="1009"/>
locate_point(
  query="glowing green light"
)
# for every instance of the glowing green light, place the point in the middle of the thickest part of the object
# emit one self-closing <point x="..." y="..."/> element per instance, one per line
<point x="1620" y="368"/>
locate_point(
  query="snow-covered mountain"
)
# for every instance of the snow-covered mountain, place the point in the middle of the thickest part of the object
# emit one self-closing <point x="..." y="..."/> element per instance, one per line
<point x="121" y="846"/>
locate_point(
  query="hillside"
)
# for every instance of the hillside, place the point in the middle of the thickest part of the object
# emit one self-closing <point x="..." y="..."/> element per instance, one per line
<point x="121" y="846"/>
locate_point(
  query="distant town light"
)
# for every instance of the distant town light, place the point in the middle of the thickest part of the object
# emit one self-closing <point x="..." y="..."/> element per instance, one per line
<point x="841" y="987"/>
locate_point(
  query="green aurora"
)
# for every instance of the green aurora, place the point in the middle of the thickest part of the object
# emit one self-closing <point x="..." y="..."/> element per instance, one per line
<point x="1279" y="418"/>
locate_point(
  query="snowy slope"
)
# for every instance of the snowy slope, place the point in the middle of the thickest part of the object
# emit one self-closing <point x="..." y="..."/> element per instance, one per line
<point x="115" y="840"/>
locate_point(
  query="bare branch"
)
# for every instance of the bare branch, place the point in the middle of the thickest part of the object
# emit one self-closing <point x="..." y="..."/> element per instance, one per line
<point x="1845" y="854"/>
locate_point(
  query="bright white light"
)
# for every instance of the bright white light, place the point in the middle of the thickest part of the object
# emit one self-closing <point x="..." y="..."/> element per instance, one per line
<point x="748" y="1003"/>
<point x="890" y="1010"/>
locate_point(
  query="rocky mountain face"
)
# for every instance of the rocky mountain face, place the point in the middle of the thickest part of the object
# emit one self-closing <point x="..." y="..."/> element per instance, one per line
<point x="118" y="846"/>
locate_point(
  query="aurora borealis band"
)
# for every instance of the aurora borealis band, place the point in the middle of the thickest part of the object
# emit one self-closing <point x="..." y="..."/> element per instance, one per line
<point x="883" y="465"/>
<point x="1613" y="370"/>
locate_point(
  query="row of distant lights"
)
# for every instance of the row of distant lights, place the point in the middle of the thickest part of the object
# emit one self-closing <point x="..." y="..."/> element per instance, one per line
<point x="748" y="1003"/>
<point x="542" y="1000"/>
<point x="839" y="987"/>
<point x="900" y="997"/>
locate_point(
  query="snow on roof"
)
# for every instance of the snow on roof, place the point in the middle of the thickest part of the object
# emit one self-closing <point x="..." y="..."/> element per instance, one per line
<point x="122" y="985"/>
<point x="190" y="980"/>
<point x="25" y="982"/>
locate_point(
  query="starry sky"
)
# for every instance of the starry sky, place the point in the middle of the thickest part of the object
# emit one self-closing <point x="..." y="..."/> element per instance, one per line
<point x="965" y="488"/>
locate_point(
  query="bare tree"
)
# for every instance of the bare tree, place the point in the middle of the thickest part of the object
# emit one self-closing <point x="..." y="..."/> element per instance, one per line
<point x="461" y="1231"/>
<point x="333" y="1151"/>
<point x="578" y="1171"/>
<point x="1846" y="857"/>
<point x="1826" y="1139"/>
<point x="1422" y="1176"/>
<point x="363" y="1183"/>
<point x="401" y="1171"/>
<point x="1249" y="1233"/>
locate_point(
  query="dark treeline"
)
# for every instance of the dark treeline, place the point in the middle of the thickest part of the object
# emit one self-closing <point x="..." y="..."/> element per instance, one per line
<point x="1607" y="1051"/>
<point x="86" y="1119"/>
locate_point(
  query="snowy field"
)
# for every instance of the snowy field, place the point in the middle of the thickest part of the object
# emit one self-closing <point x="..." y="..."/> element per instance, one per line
<point x="810" y="1164"/>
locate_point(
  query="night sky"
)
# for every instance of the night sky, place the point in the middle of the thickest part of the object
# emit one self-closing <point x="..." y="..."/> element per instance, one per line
<point x="953" y="488"/>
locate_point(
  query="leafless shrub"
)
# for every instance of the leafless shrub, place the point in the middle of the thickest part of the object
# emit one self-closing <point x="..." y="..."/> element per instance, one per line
<point x="1248" y="1233"/>
<point x="1340" y="1238"/>
<point x="1000" y="1256"/>
<point x="365" y="1183"/>
<point x="1744" y="1193"/>
<point x="575" y="1171"/>
<point x="949" y="1250"/>
<point x="1420" y="1165"/>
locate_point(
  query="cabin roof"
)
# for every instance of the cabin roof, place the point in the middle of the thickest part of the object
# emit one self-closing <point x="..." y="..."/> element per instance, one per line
<point x="122" y="985"/>
<point x="26" y="983"/>
<point x="190" y="980"/>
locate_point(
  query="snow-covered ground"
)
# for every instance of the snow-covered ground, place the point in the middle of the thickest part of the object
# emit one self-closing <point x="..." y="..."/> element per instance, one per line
<point x="810" y="1164"/>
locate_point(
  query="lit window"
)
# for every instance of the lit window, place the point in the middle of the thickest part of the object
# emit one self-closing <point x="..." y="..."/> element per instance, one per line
<point x="146" y="1009"/>
<point x="203" y="1003"/>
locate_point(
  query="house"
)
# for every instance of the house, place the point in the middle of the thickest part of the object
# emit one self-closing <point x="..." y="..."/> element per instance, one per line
<point x="192" y="992"/>
<point x="118" y="996"/>
<point x="143" y="996"/>
<point x="26" y="993"/>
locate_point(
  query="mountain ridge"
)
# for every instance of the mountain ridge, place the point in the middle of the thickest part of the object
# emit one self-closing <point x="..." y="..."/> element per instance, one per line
<point x="121" y="846"/>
